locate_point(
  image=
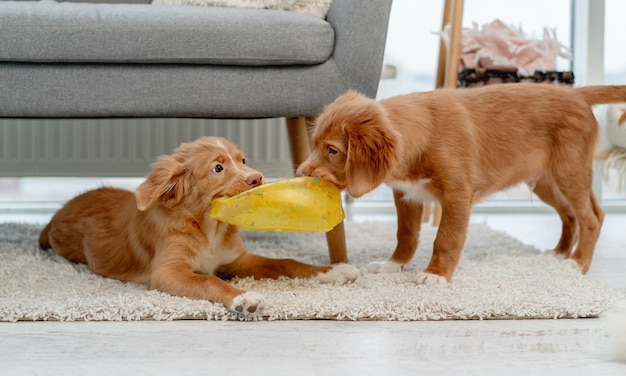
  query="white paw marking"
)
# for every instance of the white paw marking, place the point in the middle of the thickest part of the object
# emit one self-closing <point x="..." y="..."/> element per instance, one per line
<point x="572" y="264"/>
<point x="424" y="278"/>
<point x="339" y="273"/>
<point x="249" y="304"/>
<point x="558" y="255"/>
<point x="384" y="267"/>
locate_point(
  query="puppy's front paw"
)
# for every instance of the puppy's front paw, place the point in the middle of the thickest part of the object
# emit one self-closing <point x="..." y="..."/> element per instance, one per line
<point x="424" y="278"/>
<point x="339" y="273"/>
<point x="249" y="303"/>
<point x="572" y="264"/>
<point x="384" y="267"/>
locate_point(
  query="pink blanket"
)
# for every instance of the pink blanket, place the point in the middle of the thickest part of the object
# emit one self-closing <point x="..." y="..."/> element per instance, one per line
<point x="498" y="46"/>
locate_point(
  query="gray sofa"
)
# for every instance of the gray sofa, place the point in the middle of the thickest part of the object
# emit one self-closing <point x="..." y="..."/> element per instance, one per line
<point x="129" y="58"/>
<point x="142" y="60"/>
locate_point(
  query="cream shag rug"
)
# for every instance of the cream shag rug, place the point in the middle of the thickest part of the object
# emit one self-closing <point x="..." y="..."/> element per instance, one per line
<point x="497" y="278"/>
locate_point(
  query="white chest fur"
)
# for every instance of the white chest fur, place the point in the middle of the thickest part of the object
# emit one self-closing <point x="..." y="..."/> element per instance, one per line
<point x="206" y="261"/>
<point x="414" y="191"/>
<point x="217" y="252"/>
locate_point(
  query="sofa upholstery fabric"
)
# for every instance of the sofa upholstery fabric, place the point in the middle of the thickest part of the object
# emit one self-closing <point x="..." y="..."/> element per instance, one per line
<point x="48" y="31"/>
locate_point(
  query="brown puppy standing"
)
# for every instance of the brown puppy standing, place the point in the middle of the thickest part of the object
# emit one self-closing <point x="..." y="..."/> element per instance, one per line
<point x="456" y="146"/>
<point x="163" y="236"/>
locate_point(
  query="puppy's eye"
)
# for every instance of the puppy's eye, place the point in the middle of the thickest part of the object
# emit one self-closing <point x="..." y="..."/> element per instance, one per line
<point x="332" y="150"/>
<point x="217" y="168"/>
<point x="243" y="161"/>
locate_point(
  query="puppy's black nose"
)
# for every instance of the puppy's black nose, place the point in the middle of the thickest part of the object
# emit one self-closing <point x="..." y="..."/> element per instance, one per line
<point x="254" y="180"/>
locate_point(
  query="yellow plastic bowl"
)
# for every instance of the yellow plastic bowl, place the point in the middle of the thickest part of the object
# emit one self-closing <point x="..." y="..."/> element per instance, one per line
<point x="298" y="204"/>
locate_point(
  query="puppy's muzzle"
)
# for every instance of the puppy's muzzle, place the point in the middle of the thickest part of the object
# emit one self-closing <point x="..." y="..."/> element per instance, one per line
<point x="254" y="180"/>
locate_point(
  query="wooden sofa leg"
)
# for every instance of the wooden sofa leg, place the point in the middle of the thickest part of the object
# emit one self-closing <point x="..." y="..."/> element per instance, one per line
<point x="336" y="240"/>
<point x="299" y="144"/>
<point x="298" y="131"/>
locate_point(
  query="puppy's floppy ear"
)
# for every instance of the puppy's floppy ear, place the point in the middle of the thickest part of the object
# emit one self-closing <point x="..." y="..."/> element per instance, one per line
<point x="372" y="149"/>
<point x="166" y="182"/>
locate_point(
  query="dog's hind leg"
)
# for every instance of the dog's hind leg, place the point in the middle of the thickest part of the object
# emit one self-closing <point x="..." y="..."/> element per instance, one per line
<point x="65" y="239"/>
<point x="251" y="265"/>
<point x="591" y="218"/>
<point x="575" y="184"/>
<point x="596" y="208"/>
<point x="547" y="190"/>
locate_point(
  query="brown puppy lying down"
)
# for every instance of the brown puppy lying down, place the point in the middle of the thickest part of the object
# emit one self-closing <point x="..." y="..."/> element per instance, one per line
<point x="456" y="146"/>
<point x="162" y="234"/>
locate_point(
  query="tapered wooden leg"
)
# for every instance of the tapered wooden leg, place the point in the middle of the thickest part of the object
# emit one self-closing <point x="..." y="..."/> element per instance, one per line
<point x="299" y="144"/>
<point x="454" y="54"/>
<point x="448" y="64"/>
<point x="336" y="240"/>
<point x="440" y="78"/>
<point x="298" y="130"/>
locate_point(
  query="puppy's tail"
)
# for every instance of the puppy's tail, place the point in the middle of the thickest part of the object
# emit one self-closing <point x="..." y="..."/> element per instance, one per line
<point x="599" y="94"/>
<point x="44" y="238"/>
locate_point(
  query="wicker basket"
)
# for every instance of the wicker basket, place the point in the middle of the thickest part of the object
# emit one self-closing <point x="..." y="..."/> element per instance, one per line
<point x="480" y="77"/>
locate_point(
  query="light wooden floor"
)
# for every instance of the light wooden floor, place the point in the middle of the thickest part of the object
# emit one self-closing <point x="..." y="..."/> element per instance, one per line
<point x="524" y="347"/>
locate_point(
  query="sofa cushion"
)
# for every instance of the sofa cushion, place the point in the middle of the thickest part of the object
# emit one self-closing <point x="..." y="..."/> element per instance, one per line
<point x="317" y="8"/>
<point x="48" y="31"/>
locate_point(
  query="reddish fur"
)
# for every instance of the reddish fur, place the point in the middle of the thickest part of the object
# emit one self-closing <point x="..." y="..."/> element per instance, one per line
<point x="157" y="235"/>
<point x="469" y="143"/>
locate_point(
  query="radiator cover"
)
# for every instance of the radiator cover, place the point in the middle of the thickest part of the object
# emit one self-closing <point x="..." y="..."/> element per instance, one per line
<point x="127" y="147"/>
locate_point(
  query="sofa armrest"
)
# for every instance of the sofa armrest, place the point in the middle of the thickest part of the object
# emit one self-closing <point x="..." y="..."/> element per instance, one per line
<point x="360" y="38"/>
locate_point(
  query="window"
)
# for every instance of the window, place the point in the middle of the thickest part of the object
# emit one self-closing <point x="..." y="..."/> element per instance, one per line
<point x="614" y="73"/>
<point x="413" y="47"/>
